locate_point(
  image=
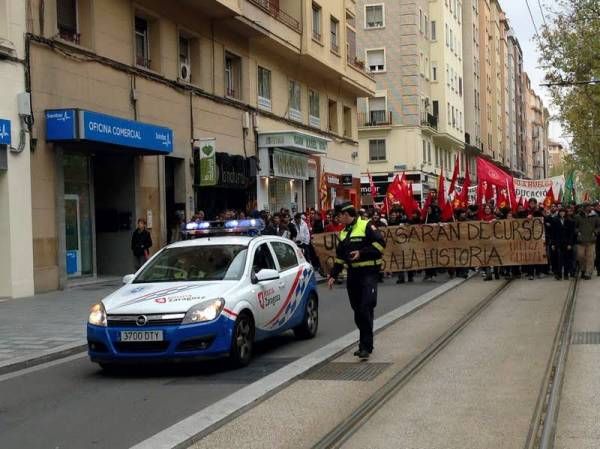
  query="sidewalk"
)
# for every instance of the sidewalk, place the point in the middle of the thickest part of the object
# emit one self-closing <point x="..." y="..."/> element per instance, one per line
<point x="35" y="326"/>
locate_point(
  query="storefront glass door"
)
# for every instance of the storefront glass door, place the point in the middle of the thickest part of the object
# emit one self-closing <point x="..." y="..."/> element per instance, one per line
<point x="78" y="222"/>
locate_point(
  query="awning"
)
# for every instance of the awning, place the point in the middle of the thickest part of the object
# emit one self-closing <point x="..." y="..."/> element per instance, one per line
<point x="294" y="140"/>
<point x="78" y="124"/>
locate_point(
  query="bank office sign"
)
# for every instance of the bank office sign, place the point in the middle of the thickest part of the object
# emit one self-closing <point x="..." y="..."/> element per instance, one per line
<point x="77" y="124"/>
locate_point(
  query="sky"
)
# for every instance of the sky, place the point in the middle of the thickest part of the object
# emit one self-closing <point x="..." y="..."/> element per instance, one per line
<point x="520" y="21"/>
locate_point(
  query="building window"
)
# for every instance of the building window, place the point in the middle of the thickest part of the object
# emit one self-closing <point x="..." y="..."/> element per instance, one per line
<point x="233" y="71"/>
<point x="314" y="109"/>
<point x="424" y="151"/>
<point x="66" y="18"/>
<point x="377" y="150"/>
<point x="348" y="122"/>
<point x="295" y="112"/>
<point x="434" y="69"/>
<point x="376" y="60"/>
<point x="460" y="86"/>
<point x="332" y="113"/>
<point x="437" y="156"/>
<point x="420" y="21"/>
<point x="316" y="22"/>
<point x="433" y="30"/>
<point x="377" y="111"/>
<point x="335" y="43"/>
<point x="374" y="16"/>
<point x="429" y="153"/>
<point x="449" y="115"/>
<point x="142" y="43"/>
<point x="264" y="88"/>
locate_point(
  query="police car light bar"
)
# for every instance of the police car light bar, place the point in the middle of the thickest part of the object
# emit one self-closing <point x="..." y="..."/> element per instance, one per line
<point x="249" y="226"/>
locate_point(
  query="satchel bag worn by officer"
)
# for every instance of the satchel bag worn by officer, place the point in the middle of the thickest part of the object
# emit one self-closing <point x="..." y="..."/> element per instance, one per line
<point x="359" y="250"/>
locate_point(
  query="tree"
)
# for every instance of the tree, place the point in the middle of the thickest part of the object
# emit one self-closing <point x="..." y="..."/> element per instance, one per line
<point x="570" y="56"/>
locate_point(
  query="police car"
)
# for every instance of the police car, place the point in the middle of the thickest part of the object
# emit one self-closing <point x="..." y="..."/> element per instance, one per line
<point x="207" y="297"/>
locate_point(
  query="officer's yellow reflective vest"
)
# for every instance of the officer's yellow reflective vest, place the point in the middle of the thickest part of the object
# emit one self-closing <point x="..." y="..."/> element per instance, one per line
<point x="357" y="234"/>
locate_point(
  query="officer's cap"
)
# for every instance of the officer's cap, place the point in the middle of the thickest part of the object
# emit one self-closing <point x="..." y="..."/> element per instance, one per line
<point x="346" y="206"/>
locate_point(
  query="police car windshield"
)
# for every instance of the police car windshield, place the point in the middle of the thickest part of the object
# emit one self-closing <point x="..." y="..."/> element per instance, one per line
<point x="196" y="263"/>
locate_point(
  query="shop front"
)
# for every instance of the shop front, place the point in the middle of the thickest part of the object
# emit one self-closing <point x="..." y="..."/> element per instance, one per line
<point x="342" y="188"/>
<point x="100" y="193"/>
<point x="227" y="182"/>
<point x="287" y="175"/>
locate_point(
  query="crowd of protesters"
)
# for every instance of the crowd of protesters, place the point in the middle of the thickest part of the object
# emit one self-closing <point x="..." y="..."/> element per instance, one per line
<point x="572" y="235"/>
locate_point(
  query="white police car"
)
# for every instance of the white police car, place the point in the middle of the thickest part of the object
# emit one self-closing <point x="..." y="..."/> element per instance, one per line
<point x="205" y="298"/>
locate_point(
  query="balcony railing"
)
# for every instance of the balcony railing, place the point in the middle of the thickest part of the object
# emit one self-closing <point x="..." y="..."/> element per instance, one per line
<point x="375" y="118"/>
<point x="271" y="7"/>
<point x="431" y="121"/>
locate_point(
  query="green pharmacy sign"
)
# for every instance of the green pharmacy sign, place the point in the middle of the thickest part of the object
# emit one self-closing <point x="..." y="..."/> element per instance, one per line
<point x="208" y="163"/>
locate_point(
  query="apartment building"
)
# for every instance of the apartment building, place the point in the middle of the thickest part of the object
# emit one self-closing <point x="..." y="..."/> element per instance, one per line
<point x="556" y="157"/>
<point x="472" y="76"/>
<point x="415" y="122"/>
<point x="16" y="252"/>
<point x="153" y="110"/>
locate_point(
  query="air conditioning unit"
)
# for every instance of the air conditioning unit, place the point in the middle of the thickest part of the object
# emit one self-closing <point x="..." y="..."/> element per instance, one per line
<point x="185" y="74"/>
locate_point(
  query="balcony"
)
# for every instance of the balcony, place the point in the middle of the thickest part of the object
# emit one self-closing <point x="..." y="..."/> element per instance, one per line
<point x="375" y="118"/>
<point x="272" y="8"/>
<point x="430" y="120"/>
<point x="358" y="64"/>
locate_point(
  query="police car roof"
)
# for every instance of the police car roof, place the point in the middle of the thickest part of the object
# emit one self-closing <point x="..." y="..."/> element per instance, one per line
<point x="227" y="240"/>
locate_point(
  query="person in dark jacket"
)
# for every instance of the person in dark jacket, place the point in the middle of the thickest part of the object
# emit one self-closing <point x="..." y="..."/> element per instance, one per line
<point x="360" y="248"/>
<point x="562" y="239"/>
<point x="141" y="242"/>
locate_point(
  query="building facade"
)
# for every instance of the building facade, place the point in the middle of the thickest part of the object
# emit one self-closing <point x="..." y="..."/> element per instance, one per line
<point x="148" y="111"/>
<point x="16" y="252"/>
<point x="415" y="122"/>
<point x="556" y="157"/>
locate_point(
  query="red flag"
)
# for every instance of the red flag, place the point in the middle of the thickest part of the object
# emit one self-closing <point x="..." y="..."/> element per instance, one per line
<point x="463" y="196"/>
<point x="394" y="191"/>
<point x="502" y="199"/>
<point x="426" y="204"/>
<point x="372" y="187"/>
<point x="454" y="177"/>
<point x="549" y="200"/>
<point x="489" y="175"/>
<point x="597" y="178"/>
<point x="441" y="189"/>
<point x="323" y="192"/>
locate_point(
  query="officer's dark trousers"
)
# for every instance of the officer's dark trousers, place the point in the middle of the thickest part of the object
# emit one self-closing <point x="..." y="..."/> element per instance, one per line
<point x="362" y="291"/>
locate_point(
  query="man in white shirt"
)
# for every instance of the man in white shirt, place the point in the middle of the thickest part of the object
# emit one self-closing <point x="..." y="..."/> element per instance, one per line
<point x="302" y="232"/>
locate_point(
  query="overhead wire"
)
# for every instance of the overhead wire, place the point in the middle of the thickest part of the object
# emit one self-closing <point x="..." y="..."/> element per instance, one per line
<point x="542" y="12"/>
<point x="532" y="20"/>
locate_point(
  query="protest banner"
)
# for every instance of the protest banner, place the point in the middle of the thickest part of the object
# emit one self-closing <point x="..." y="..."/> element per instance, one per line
<point x="460" y="244"/>
<point x="537" y="188"/>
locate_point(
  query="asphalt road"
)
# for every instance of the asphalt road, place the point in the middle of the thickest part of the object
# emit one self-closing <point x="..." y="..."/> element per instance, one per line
<point x="75" y="405"/>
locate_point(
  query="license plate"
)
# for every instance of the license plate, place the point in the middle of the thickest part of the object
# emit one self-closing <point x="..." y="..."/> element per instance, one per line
<point x="141" y="335"/>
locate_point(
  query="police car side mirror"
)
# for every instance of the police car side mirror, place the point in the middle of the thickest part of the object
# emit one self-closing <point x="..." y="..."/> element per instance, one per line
<point x="128" y="278"/>
<point x="266" y="275"/>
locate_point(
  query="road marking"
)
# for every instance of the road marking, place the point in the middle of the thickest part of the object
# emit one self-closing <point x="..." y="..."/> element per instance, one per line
<point x="42" y="366"/>
<point x="193" y="428"/>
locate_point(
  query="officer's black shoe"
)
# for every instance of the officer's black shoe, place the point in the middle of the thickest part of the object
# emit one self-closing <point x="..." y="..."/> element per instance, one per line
<point x="363" y="354"/>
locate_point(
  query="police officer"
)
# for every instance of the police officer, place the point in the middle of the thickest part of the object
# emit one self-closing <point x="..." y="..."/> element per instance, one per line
<point x="359" y="249"/>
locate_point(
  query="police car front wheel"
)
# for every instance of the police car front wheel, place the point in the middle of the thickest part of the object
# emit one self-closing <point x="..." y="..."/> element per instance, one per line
<point x="242" y="343"/>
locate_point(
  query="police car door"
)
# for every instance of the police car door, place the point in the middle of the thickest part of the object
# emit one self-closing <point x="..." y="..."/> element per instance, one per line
<point x="267" y="293"/>
<point x="290" y="270"/>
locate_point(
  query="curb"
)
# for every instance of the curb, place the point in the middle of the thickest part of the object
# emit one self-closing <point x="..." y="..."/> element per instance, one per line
<point x="59" y="352"/>
<point x="193" y="428"/>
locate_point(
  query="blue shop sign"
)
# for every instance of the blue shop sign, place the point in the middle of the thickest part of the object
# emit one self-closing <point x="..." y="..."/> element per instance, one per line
<point x="5" y="132"/>
<point x="69" y="124"/>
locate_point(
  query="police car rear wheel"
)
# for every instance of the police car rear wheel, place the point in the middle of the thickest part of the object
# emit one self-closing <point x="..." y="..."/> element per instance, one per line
<point x="310" y="323"/>
<point x="243" y="340"/>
